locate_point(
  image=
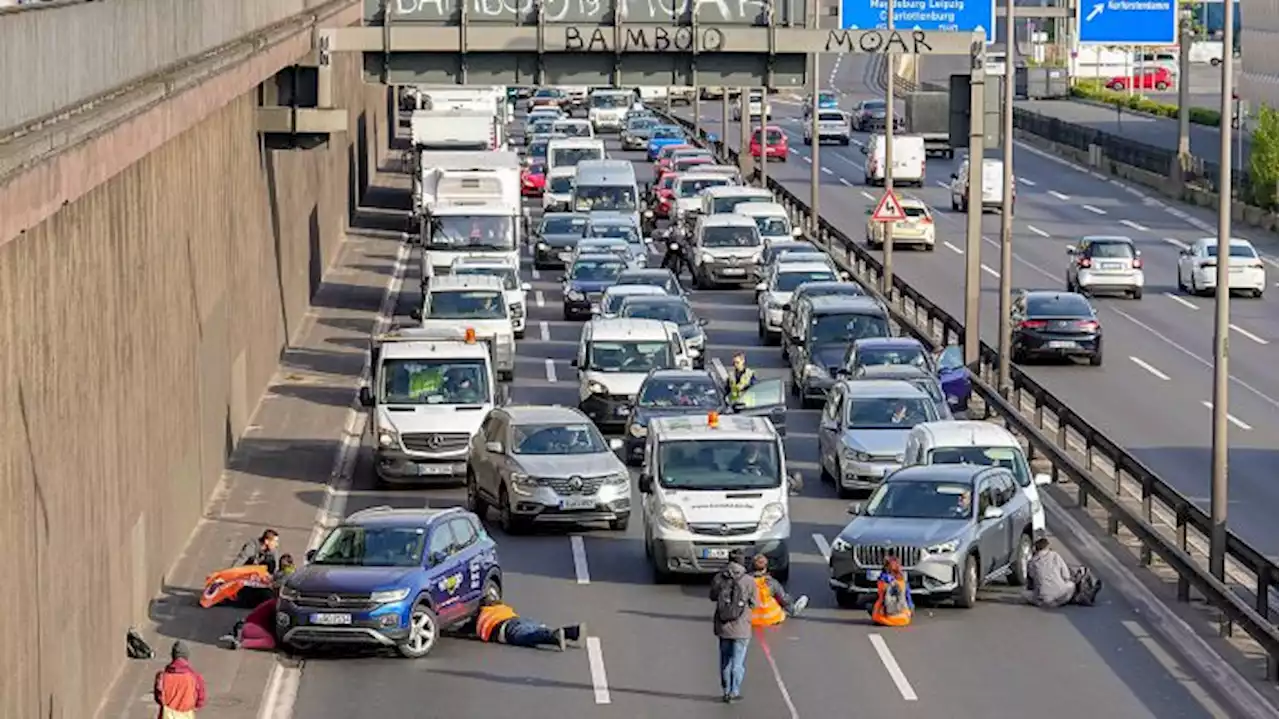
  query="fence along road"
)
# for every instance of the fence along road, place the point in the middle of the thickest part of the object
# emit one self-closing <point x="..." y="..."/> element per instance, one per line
<point x="1148" y="394"/>
<point x="655" y="656"/>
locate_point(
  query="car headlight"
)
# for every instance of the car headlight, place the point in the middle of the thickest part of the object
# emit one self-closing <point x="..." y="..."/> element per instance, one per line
<point x="707" y="258"/>
<point x="944" y="547"/>
<point x="618" y="478"/>
<point x="839" y="545"/>
<point x="638" y="430"/>
<point x="523" y="483"/>
<point x="288" y="594"/>
<point x="387" y="439"/>
<point x="813" y="370"/>
<point x="389" y="596"/>
<point x="774" y="305"/>
<point x="672" y="516"/>
<point x="854" y="455"/>
<point x="771" y="515"/>
<point x="542" y="245"/>
<point x="595" y="387"/>
<point x="648" y="213"/>
<point x="575" y="295"/>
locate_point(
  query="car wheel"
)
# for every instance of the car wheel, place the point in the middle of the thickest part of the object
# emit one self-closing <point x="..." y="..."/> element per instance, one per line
<point x="620" y="524"/>
<point x="492" y="590"/>
<point x="1095" y="359"/>
<point x="475" y="503"/>
<point x="847" y="600"/>
<point x="1136" y="293"/>
<point x="1257" y="294"/>
<point x="520" y="334"/>
<point x="1162" y="85"/>
<point x="967" y="592"/>
<point x="511" y="524"/>
<point x="1018" y="563"/>
<point x="424" y="630"/>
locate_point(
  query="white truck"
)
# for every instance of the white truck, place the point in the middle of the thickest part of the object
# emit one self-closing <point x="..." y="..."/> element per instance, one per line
<point x="457" y="129"/>
<point x="468" y="205"/>
<point x="489" y="101"/>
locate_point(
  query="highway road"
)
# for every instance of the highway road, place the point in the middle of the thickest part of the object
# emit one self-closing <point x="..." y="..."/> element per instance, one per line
<point x="1152" y="393"/>
<point x="652" y="654"/>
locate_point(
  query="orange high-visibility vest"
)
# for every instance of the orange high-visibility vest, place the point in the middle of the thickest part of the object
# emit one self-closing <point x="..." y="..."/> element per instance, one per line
<point x="491" y="617"/>
<point x="767" y="611"/>
<point x="877" y="611"/>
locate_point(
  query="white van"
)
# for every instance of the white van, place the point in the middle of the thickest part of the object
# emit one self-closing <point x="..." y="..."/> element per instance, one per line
<point x="908" y="160"/>
<point x="992" y="186"/>
<point x="771" y="218"/>
<point x="712" y="484"/>
<point x="977" y="443"/>
<point x="569" y="151"/>
<point x="1206" y="53"/>
<point x="614" y="357"/>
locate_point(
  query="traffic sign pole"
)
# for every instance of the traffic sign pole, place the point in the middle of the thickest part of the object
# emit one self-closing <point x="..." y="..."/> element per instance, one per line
<point x="973" y="205"/>
<point x="886" y="237"/>
<point x="1006" y="211"/>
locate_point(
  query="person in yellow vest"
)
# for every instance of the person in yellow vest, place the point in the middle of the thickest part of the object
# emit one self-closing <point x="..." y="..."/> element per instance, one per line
<point x="773" y="605"/>
<point x="893" y="606"/>
<point x="740" y="379"/>
<point x="499" y="623"/>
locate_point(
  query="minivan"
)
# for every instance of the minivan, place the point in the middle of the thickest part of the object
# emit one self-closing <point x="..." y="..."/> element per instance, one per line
<point x="992" y="186"/>
<point x="908" y="160"/>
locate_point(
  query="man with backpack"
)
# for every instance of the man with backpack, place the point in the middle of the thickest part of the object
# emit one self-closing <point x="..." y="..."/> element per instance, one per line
<point x="734" y="593"/>
<point x="1051" y="583"/>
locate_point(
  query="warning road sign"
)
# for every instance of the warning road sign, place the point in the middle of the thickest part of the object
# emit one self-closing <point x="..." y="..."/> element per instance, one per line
<point x="889" y="209"/>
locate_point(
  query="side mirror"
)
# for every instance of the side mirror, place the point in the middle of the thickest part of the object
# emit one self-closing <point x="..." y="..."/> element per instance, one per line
<point x="415" y="314"/>
<point x="573" y="362"/>
<point x="525" y="286"/>
<point x="854" y="508"/>
<point x="992" y="513"/>
<point x="310" y="555"/>
<point x="646" y="483"/>
<point x="436" y="558"/>
<point x="761" y="287"/>
<point x="795" y="483"/>
<point x="493" y="447"/>
<point x="1042" y="480"/>
<point x="703" y="321"/>
<point x="366" y="397"/>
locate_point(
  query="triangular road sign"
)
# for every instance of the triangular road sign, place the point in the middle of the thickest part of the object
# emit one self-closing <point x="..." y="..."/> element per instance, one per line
<point x="889" y="209"/>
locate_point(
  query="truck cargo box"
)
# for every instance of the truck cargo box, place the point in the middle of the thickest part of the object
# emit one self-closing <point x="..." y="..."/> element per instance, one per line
<point x="928" y="114"/>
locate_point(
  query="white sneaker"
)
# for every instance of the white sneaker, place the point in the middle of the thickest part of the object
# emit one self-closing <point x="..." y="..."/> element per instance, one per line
<point x="799" y="605"/>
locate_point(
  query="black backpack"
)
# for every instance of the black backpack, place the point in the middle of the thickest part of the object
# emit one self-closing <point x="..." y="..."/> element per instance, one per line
<point x="136" y="647"/>
<point x="731" y="601"/>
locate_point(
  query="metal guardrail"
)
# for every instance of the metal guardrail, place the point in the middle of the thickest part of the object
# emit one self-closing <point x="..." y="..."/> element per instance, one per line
<point x="934" y="326"/>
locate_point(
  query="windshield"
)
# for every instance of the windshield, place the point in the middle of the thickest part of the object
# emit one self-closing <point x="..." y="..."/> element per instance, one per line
<point x="424" y="381"/>
<point x="573" y="129"/>
<point x="627" y="356"/>
<point x="830" y="117"/>
<point x="666" y="132"/>
<point x="626" y="232"/>
<point x="873" y="356"/>
<point x="641" y="123"/>
<point x="465" y="305"/>
<point x="687" y="163"/>
<point x="544" y="439"/>
<point x="538" y="151"/>
<point x="920" y="500"/>
<point x="560" y="184"/>
<point x="665" y="281"/>
<point x="541" y="125"/>
<point x="888" y="412"/>
<point x="951" y="358"/>
<point x="726" y="203"/>
<point x="470" y="232"/>
<point x="609" y="198"/>
<point x="677" y="312"/>
<point x="844" y="329"/>
<point x="571" y="156"/>
<point x="873" y="106"/>
<point x="737" y="236"/>
<point x="506" y="274"/>
<point x="695" y="392"/>
<point x="596" y="270"/>
<point x="789" y="281"/>
<point x="351" y="546"/>
<point x="1236" y="251"/>
<point x="1011" y="458"/>
<point x="563" y="225"/>
<point x="613" y="302"/>
<point x="691" y="187"/>
<point x="610" y="101"/>
<point x="707" y="464"/>
<point x="773" y="226"/>
<point x="1058" y="306"/>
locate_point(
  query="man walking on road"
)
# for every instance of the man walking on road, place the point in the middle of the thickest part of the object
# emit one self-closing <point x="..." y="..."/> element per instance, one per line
<point x="179" y="689"/>
<point x="734" y="592"/>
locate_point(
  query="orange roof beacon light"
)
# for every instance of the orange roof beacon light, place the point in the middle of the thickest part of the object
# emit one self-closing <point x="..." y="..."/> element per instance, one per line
<point x="471" y="335"/>
<point x="713" y="419"/>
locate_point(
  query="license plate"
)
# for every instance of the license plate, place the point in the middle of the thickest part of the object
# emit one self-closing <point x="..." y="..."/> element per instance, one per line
<point x="873" y="574"/>
<point x="1061" y="344"/>
<point x="434" y="470"/>
<point x="578" y="503"/>
<point x="715" y="553"/>
<point x="735" y="271"/>
<point x="331" y="620"/>
<point x="1112" y="266"/>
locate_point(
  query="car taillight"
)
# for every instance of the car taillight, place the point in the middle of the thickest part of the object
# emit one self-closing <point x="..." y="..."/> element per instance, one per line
<point x="1137" y="263"/>
<point x="1087" y="325"/>
<point x="1033" y="324"/>
<point x="1085" y="262"/>
<point x="926" y="220"/>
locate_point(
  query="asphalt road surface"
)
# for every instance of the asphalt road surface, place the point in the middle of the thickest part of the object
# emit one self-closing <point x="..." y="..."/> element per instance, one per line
<point x="1151" y="394"/>
<point x="652" y="653"/>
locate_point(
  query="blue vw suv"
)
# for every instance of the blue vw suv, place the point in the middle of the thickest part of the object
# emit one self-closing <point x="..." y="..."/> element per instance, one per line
<point x="391" y="578"/>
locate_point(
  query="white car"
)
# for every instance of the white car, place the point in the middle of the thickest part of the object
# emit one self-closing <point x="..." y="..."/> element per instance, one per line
<point x="775" y="292"/>
<point x="558" y="192"/>
<point x="1198" y="270"/>
<point x="1104" y="263"/>
<point x="515" y="290"/>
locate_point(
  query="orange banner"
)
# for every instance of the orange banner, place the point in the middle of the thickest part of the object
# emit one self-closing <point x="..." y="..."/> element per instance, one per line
<point x="225" y="585"/>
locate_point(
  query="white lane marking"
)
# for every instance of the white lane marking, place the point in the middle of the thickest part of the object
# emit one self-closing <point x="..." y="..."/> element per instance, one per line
<point x="533" y="272"/>
<point x="891" y="666"/>
<point x="942" y="184"/>
<point x="808" y="159"/>
<point x="540" y="299"/>
<point x="843" y="181"/>
<point x="551" y="370"/>
<point x="579" y="550"/>
<point x="868" y="195"/>
<point x="545" y="330"/>
<point x="599" y="680"/>
<point x="1037" y="231"/>
<point x="777" y="678"/>
<point x="1182" y="301"/>
<point x="1059" y="195"/>
<point x="1176" y="243"/>
<point x="1248" y="334"/>
<point x="1028" y="183"/>
<point x="1230" y="417"/>
<point x="1094" y="210"/>
<point x="823" y="547"/>
<point x="1175" y="670"/>
<point x="1133" y="225"/>
<point x="855" y="141"/>
<point x="827" y="170"/>
<point x="1144" y="365"/>
<point x="952" y="247"/>
<point x="990" y="271"/>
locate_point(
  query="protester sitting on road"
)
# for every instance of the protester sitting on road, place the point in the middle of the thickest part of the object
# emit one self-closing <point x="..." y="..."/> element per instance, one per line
<point x="893" y="606"/>
<point x="261" y="551"/>
<point x="1051" y="583"/>
<point x="773" y="605"/>
<point x="258" y="630"/>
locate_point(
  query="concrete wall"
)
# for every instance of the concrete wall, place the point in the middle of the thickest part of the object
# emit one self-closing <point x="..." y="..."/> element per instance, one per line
<point x="139" y="325"/>
<point x="109" y="44"/>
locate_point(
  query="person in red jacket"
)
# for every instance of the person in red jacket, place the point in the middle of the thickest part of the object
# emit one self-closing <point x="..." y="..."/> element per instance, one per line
<point x="180" y="689"/>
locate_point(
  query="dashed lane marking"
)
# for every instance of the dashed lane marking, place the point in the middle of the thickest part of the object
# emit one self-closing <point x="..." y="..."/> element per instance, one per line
<point x="941" y="184"/>
<point x="823" y="547"/>
<point x="1094" y="210"/>
<point x="1182" y="301"/>
<point x="868" y="195"/>
<point x="828" y="171"/>
<point x="1246" y="333"/>
<point x="551" y="370"/>
<point x="891" y="666"/>
<point x="952" y="247"/>
<point x="777" y="676"/>
<point x="845" y="182"/>
<point x="535" y="274"/>
<point x="545" y="330"/>
<point x="1059" y="195"/>
<point x="540" y="299"/>
<point x="1230" y="417"/>
<point x="990" y="271"/>
<point x="1028" y="183"/>
<point x="579" y="550"/>
<point x="1135" y="226"/>
<point x="1146" y="366"/>
<point x="599" y="680"/>
<point x="1037" y="231"/>
<point x="1176" y="243"/>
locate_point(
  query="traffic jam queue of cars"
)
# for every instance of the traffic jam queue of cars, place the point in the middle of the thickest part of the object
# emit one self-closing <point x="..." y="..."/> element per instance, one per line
<point x="713" y="470"/>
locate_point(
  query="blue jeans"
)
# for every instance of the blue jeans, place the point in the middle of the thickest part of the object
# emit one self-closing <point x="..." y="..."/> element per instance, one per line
<point x="524" y="633"/>
<point x="733" y="665"/>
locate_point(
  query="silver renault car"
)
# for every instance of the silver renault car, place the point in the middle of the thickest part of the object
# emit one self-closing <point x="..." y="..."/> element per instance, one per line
<point x="546" y="465"/>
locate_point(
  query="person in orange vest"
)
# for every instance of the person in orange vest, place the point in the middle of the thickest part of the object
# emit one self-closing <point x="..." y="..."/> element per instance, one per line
<point x="773" y="605"/>
<point x="498" y="622"/>
<point x="893" y="606"/>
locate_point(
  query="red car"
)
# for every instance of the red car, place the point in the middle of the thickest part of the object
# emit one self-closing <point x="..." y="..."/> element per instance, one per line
<point x="664" y="194"/>
<point x="684" y="164"/>
<point x="1154" y="79"/>
<point x="533" y="180"/>
<point x="775" y="146"/>
<point x="663" y="161"/>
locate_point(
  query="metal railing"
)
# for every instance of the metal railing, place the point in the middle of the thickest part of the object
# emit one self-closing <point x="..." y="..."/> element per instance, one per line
<point x="1131" y="494"/>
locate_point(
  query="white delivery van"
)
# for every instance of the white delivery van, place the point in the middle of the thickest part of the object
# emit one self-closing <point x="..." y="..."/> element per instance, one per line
<point x="569" y="151"/>
<point x="908" y="160"/>
<point x="992" y="186"/>
<point x="614" y="358"/>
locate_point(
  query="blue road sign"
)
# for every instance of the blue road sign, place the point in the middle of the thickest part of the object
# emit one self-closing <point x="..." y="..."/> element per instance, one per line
<point x="1127" y="22"/>
<point x="937" y="15"/>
